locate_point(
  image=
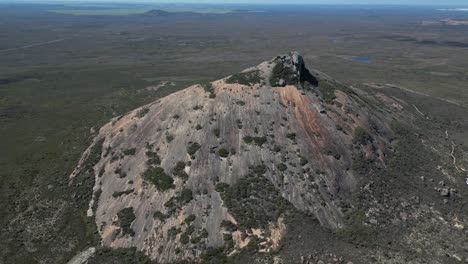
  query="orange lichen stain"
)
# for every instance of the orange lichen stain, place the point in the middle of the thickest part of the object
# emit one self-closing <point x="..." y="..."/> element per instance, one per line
<point x="305" y="113"/>
<point x="108" y="231"/>
<point x="118" y="242"/>
<point x="227" y="87"/>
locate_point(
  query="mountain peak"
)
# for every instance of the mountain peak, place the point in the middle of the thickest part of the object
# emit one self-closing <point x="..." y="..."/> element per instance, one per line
<point x="227" y="163"/>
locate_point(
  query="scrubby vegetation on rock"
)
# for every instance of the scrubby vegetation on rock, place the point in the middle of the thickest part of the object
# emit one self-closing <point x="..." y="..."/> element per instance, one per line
<point x="254" y="201"/>
<point x="245" y="78"/>
<point x="283" y="75"/>
<point x="159" y="178"/>
<point x="259" y="141"/>
<point x="126" y="217"/>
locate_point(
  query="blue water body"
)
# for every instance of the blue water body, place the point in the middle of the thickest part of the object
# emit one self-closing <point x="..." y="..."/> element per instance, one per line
<point x="361" y="59"/>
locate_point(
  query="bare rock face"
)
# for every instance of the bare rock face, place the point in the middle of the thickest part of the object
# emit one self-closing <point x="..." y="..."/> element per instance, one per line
<point x="223" y="165"/>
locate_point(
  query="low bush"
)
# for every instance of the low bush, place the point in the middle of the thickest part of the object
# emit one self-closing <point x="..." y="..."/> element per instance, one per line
<point x="159" y="178"/>
<point x="245" y="78"/>
<point x="126" y="217"/>
<point x="193" y="148"/>
<point x="224" y="153"/>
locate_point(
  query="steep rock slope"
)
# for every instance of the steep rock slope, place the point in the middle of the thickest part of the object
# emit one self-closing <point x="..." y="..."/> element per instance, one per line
<point x="225" y="164"/>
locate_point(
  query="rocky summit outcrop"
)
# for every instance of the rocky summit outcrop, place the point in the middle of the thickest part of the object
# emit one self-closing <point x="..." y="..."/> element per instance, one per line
<point x="223" y="165"/>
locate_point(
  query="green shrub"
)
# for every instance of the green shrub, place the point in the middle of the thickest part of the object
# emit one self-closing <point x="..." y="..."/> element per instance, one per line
<point x="216" y="132"/>
<point x="245" y="78"/>
<point x="159" y="215"/>
<point x="153" y="158"/>
<point x="169" y="138"/>
<point x="221" y="186"/>
<point x="185" y="196"/>
<point x="181" y="199"/>
<point x="223" y="153"/>
<point x="233" y="151"/>
<point x="259" y="169"/>
<point x="281" y="167"/>
<point x="159" y="178"/>
<point x="254" y="202"/>
<point x="173" y="231"/>
<point x="291" y="136"/>
<point x="228" y="225"/>
<point x="118" y="194"/>
<point x="106" y="255"/>
<point x="126" y="217"/>
<point x="193" y="148"/>
<point x="189" y="219"/>
<point x="142" y="112"/>
<point x="129" y="152"/>
<point x="214" y="256"/>
<point x="259" y="141"/>
<point x="210" y="89"/>
<point x="184" y="238"/>
<point x="280" y="71"/>
<point x="121" y="173"/>
<point x="195" y="239"/>
<point x="179" y="170"/>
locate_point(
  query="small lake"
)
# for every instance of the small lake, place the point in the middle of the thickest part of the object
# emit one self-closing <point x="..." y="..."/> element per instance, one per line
<point x="361" y="59"/>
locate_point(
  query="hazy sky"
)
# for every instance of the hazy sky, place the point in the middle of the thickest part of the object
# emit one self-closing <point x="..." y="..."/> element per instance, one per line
<point x="421" y="2"/>
<point x="371" y="2"/>
<point x="399" y="2"/>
